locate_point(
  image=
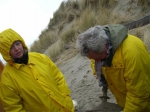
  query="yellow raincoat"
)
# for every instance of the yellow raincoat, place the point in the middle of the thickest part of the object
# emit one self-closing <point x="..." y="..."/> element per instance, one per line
<point x="38" y="86"/>
<point x="128" y="70"/>
<point x="128" y="77"/>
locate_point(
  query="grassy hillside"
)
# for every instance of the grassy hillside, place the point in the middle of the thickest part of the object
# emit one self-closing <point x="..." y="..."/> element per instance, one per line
<point x="75" y="16"/>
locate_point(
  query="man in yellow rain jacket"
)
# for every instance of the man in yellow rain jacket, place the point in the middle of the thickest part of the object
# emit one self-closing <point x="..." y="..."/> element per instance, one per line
<point x="125" y="63"/>
<point x="30" y="82"/>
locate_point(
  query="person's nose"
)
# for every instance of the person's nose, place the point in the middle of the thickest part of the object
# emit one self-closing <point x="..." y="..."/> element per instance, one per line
<point x="15" y="47"/>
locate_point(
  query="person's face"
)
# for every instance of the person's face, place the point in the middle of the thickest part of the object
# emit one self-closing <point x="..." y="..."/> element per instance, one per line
<point x="16" y="50"/>
<point x="98" y="56"/>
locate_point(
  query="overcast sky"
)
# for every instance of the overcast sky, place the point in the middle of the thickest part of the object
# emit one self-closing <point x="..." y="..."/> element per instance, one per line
<point x="27" y="17"/>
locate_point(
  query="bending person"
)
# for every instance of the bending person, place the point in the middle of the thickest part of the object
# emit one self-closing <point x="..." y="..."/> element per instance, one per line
<point x="125" y="64"/>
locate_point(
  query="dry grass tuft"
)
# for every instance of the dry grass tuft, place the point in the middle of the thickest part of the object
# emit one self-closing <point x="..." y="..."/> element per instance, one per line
<point x="35" y="47"/>
<point x="143" y="3"/>
<point x="75" y="5"/>
<point x="59" y="16"/>
<point x="103" y="16"/>
<point x="86" y="20"/>
<point x="118" y="19"/>
<point x="45" y="40"/>
<point x="70" y="16"/>
<point x="55" y="50"/>
<point x="69" y="35"/>
<point x="91" y="17"/>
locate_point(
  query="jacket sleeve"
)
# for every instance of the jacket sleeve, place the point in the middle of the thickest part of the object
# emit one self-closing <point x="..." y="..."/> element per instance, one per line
<point x="60" y="79"/>
<point x="11" y="101"/>
<point x="136" y="82"/>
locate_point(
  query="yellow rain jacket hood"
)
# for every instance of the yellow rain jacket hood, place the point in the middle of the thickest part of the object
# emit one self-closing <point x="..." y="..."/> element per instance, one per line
<point x="7" y="38"/>
<point x="37" y="86"/>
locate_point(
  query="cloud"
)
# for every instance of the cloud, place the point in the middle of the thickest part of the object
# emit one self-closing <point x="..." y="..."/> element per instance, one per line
<point x="24" y="16"/>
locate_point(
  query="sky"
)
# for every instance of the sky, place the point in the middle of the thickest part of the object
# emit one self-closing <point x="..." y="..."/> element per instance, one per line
<point x="27" y="17"/>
